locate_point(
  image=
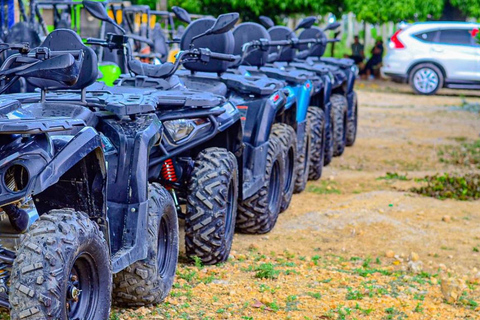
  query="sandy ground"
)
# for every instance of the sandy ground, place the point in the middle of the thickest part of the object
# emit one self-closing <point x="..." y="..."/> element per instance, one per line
<point x="353" y="246"/>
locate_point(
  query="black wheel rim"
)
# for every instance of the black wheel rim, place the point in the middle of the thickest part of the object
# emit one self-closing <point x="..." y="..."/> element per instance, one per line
<point x="83" y="288"/>
<point x="275" y="189"/>
<point x="230" y="207"/>
<point x="164" y="254"/>
<point x="289" y="165"/>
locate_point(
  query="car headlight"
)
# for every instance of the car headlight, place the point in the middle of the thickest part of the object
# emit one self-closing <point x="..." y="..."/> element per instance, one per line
<point x="182" y="128"/>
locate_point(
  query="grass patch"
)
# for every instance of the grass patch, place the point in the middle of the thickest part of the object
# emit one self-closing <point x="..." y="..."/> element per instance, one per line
<point x="446" y="186"/>
<point x="324" y="187"/>
<point x="266" y="271"/>
<point x="465" y="154"/>
<point x="394" y="176"/>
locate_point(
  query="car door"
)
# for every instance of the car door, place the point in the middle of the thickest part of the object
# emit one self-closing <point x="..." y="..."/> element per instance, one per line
<point x="455" y="49"/>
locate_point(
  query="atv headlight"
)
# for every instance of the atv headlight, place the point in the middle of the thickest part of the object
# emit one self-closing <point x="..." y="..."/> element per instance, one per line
<point x="183" y="128"/>
<point x="332" y="77"/>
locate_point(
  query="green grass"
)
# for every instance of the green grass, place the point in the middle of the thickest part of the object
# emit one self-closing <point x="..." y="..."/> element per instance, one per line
<point x="446" y="186"/>
<point x="266" y="271"/>
<point x="324" y="187"/>
<point x="394" y="176"/>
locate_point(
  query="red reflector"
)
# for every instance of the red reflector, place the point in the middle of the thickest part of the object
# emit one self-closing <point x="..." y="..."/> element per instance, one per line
<point x="308" y="85"/>
<point x="397" y="44"/>
<point x="243" y="118"/>
<point x="276" y="97"/>
<point x="242" y="107"/>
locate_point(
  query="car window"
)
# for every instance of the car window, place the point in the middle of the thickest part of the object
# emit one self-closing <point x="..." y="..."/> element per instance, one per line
<point x="455" y="36"/>
<point x="426" y="36"/>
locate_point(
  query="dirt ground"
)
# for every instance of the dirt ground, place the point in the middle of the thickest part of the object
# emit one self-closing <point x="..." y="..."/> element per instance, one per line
<point x="353" y="246"/>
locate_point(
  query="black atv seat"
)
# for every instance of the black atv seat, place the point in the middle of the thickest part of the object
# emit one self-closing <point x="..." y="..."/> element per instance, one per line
<point x="212" y="85"/>
<point x="291" y="76"/>
<point x="150" y="70"/>
<point x="236" y="82"/>
<point x="343" y="63"/>
<point x="314" y="67"/>
<point x="67" y="40"/>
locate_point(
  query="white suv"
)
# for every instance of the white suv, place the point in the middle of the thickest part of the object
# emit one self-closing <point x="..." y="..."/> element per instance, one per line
<point x="432" y="55"/>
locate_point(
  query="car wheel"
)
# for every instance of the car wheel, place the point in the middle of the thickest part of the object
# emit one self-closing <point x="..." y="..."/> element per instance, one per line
<point x="426" y="79"/>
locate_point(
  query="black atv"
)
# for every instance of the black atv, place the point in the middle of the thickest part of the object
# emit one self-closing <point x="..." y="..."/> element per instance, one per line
<point x="119" y="223"/>
<point x="344" y="70"/>
<point x="200" y="147"/>
<point x="308" y="91"/>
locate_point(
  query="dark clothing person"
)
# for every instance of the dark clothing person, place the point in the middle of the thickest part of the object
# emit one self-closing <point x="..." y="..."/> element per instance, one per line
<point x="376" y="59"/>
<point x="357" y="51"/>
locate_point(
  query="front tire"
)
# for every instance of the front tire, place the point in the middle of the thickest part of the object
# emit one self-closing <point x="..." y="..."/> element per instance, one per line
<point x="426" y="79"/>
<point x="339" y="122"/>
<point x="62" y="270"/>
<point x="288" y="138"/>
<point x="259" y="213"/>
<point x="303" y="162"/>
<point x="149" y="281"/>
<point x="352" y="124"/>
<point x="212" y="206"/>
<point x="317" y="137"/>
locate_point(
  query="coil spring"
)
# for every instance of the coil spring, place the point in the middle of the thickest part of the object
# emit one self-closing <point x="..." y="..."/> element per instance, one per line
<point x="168" y="171"/>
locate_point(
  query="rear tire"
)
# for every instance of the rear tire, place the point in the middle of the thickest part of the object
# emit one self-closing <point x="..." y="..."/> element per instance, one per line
<point x="339" y="121"/>
<point x="63" y="252"/>
<point x="328" y="143"/>
<point x="149" y="281"/>
<point x="288" y="138"/>
<point x="303" y="162"/>
<point x="212" y="206"/>
<point x="317" y="137"/>
<point x="352" y="124"/>
<point x="259" y="213"/>
<point x="426" y="79"/>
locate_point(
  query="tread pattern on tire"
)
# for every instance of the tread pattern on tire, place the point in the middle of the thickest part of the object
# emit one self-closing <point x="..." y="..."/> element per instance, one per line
<point x="254" y="215"/>
<point x="302" y="162"/>
<point x="205" y="229"/>
<point x="352" y="124"/>
<point x="288" y="139"/>
<point x="141" y="283"/>
<point x="339" y="114"/>
<point x="44" y="260"/>
<point x="317" y="138"/>
<point x="328" y="144"/>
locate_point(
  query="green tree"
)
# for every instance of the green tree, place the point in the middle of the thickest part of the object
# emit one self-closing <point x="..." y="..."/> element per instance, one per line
<point x="470" y="8"/>
<point x="375" y="11"/>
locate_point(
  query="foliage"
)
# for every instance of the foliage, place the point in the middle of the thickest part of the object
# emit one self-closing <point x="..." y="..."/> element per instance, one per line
<point x="374" y="11"/>
<point x="451" y="187"/>
<point x="468" y="7"/>
<point x="251" y="9"/>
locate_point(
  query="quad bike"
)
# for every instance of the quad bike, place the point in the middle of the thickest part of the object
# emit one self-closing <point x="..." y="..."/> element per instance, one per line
<point x="199" y="149"/>
<point x="98" y="216"/>
<point x="305" y="87"/>
<point x="267" y="164"/>
<point x="344" y="70"/>
<point x="334" y="105"/>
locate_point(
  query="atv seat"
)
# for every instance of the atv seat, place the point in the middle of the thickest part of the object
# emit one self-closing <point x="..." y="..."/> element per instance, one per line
<point x="66" y="40"/>
<point x="343" y="63"/>
<point x="150" y="70"/>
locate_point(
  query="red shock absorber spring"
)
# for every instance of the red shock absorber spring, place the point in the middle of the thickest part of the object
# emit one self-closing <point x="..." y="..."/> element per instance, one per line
<point x="168" y="171"/>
